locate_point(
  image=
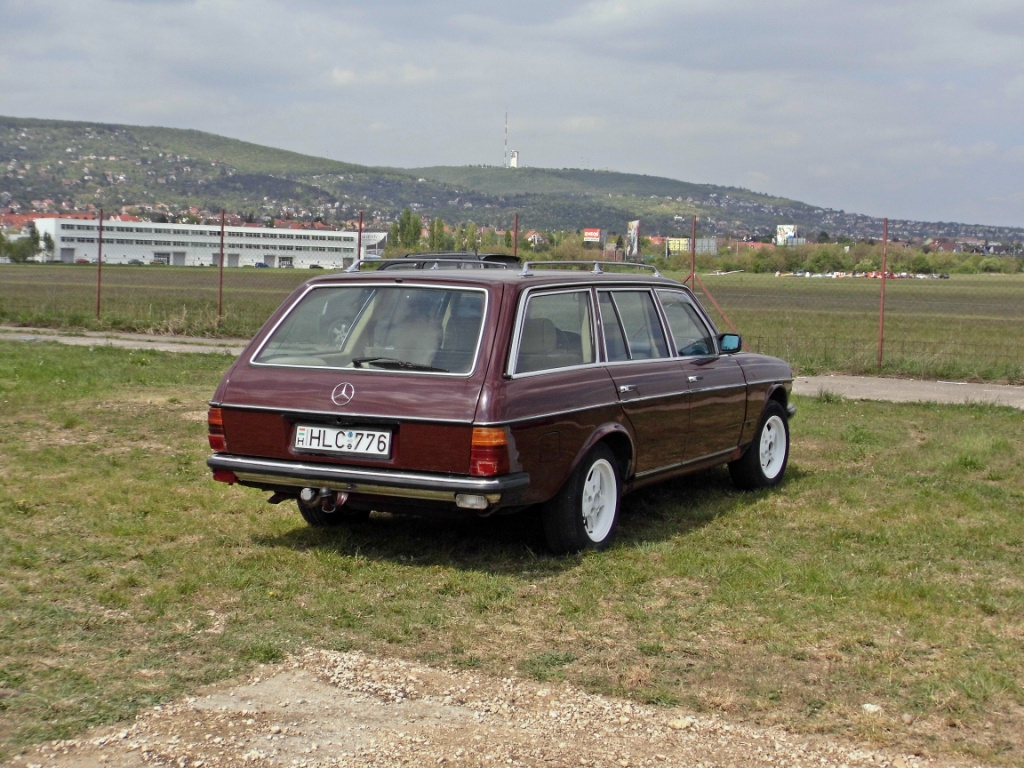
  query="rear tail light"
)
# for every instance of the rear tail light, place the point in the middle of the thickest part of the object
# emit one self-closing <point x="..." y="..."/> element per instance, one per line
<point x="489" y="452"/>
<point x="215" y="423"/>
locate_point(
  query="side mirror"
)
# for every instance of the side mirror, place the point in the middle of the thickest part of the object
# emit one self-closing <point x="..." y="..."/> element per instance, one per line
<point x="729" y="343"/>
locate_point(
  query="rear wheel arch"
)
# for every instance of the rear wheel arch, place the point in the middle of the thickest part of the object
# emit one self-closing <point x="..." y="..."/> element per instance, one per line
<point x="621" y="446"/>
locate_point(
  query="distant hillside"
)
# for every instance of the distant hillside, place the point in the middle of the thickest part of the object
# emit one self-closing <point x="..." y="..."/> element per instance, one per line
<point x="666" y="205"/>
<point x="83" y="165"/>
<point x="60" y="165"/>
<point x="720" y="210"/>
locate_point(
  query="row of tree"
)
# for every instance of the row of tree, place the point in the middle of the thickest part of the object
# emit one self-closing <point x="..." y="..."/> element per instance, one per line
<point x="824" y="256"/>
<point x="21" y="249"/>
<point x="407" y="234"/>
<point x="862" y="257"/>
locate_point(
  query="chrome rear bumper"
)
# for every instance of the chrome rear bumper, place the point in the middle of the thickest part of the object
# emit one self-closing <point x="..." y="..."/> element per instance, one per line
<point x="274" y="473"/>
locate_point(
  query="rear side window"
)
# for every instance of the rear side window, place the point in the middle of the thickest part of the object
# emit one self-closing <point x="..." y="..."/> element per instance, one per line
<point x="690" y="333"/>
<point x="556" y="332"/>
<point x="400" y="328"/>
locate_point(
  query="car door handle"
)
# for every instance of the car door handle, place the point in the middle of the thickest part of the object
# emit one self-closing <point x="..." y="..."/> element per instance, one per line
<point x="694" y="379"/>
<point x="627" y="388"/>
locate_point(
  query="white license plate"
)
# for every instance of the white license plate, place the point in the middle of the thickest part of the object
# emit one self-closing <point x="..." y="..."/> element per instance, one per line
<point x="355" y="441"/>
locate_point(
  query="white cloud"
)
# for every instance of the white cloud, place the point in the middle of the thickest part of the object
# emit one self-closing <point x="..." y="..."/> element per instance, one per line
<point x="904" y="107"/>
<point x="343" y="77"/>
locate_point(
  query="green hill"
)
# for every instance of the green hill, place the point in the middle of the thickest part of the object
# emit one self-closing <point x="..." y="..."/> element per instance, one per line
<point x="665" y="205"/>
<point x="65" y="166"/>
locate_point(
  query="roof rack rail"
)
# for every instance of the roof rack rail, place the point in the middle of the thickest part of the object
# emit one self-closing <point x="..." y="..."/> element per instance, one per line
<point x="596" y="266"/>
<point x="381" y="262"/>
<point x="434" y="260"/>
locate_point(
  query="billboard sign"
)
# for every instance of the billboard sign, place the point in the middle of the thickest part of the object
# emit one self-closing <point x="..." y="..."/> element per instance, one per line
<point x="633" y="241"/>
<point x="677" y="245"/>
<point x="593" y="235"/>
<point x="785" y="233"/>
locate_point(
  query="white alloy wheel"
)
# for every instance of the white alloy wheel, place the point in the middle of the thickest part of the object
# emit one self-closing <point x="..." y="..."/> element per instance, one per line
<point x="773" y="447"/>
<point x="584" y="513"/>
<point x="763" y="464"/>
<point x="600" y="498"/>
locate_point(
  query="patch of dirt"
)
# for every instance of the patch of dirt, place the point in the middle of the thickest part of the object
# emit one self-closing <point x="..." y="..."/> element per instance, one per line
<point x="326" y="709"/>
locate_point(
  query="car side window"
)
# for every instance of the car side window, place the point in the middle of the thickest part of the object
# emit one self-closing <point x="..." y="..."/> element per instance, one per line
<point x="555" y="332"/>
<point x="631" y="325"/>
<point x="690" y="333"/>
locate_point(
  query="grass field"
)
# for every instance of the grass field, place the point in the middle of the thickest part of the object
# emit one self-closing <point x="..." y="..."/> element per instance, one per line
<point x="967" y="327"/>
<point x="163" y="300"/>
<point x="885" y="571"/>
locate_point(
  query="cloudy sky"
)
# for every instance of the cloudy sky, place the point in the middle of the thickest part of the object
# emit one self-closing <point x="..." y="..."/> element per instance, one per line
<point x="909" y="109"/>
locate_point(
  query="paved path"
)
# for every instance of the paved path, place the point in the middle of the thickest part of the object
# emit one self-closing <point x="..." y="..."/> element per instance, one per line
<point x="126" y="340"/>
<point x="856" y="387"/>
<point x="910" y="390"/>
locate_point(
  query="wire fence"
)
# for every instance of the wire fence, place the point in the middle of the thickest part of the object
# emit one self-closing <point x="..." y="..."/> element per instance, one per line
<point x="964" y="327"/>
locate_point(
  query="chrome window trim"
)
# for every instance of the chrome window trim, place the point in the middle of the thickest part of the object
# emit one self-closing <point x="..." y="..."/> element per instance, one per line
<point x="692" y="301"/>
<point x="666" y="331"/>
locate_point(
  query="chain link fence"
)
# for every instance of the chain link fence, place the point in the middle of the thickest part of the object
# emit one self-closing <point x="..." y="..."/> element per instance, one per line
<point x="963" y="327"/>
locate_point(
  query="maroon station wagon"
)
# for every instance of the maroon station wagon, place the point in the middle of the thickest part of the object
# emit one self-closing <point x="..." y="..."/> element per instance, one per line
<point x="491" y="390"/>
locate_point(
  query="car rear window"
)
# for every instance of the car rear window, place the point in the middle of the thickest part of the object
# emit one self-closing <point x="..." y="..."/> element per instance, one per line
<point x="401" y="328"/>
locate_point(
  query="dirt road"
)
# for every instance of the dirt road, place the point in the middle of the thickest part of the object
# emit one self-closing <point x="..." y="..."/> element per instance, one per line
<point x="910" y="390"/>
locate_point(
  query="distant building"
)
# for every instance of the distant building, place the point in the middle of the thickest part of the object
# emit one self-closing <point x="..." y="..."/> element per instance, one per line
<point x="194" y="245"/>
<point x="535" y="238"/>
<point x="514" y="160"/>
<point x="675" y="245"/>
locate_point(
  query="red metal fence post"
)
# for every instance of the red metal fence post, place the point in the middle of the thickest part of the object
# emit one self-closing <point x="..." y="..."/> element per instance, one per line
<point x="359" y="241"/>
<point x="515" y="235"/>
<point x="885" y="270"/>
<point x="693" y="254"/>
<point x="99" y="266"/>
<point x="220" y="278"/>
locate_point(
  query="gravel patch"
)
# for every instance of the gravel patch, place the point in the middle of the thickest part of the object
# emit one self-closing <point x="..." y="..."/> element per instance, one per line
<point x="326" y="709"/>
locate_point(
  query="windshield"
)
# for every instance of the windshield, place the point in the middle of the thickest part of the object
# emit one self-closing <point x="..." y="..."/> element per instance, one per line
<point x="391" y="327"/>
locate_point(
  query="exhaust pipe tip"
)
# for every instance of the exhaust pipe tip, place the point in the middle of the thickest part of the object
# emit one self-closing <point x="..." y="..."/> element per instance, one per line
<point x="325" y="498"/>
<point x="327" y="503"/>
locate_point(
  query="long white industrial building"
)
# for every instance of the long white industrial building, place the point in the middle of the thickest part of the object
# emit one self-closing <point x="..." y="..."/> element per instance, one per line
<point x="195" y="245"/>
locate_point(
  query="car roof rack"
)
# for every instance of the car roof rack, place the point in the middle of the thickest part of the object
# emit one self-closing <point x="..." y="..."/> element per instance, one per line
<point x="463" y="260"/>
<point x="596" y="266"/>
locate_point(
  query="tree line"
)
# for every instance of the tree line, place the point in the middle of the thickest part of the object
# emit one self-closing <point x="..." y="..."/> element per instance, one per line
<point x="20" y="249"/>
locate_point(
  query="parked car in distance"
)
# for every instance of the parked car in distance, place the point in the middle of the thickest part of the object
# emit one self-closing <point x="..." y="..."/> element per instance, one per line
<point x="561" y="386"/>
<point x="135" y="262"/>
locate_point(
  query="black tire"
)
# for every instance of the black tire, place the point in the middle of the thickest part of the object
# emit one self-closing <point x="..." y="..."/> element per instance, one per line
<point x="585" y="512"/>
<point x="764" y="462"/>
<point x="317" y="518"/>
